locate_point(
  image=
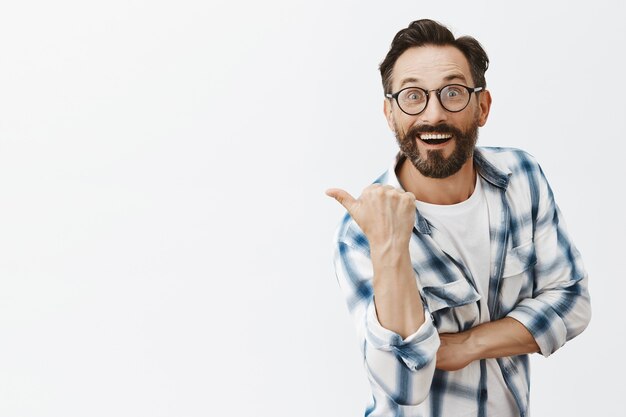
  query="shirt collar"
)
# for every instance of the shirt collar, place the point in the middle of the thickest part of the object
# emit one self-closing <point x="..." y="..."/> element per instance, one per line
<point x="489" y="172"/>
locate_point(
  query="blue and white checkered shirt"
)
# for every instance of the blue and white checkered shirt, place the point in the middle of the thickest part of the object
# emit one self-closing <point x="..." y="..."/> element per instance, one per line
<point x="536" y="277"/>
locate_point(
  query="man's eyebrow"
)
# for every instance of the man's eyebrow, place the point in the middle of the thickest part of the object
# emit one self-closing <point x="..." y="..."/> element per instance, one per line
<point x="408" y="81"/>
<point x="455" y="76"/>
<point x="450" y="77"/>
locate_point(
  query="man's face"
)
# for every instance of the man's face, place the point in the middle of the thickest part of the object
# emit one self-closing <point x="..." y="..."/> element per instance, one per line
<point x="436" y="141"/>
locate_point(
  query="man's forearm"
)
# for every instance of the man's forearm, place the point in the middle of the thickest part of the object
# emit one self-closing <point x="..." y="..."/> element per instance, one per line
<point x="386" y="216"/>
<point x="500" y="338"/>
<point x="496" y="339"/>
<point x="398" y="304"/>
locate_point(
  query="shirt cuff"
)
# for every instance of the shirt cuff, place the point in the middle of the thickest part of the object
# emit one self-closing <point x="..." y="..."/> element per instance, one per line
<point x="416" y="351"/>
<point x="542" y="322"/>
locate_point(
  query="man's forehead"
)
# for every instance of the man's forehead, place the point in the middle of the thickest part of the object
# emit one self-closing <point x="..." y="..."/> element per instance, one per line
<point x="431" y="64"/>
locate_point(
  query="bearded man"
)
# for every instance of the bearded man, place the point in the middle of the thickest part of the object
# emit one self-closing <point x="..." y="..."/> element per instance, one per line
<point x="456" y="263"/>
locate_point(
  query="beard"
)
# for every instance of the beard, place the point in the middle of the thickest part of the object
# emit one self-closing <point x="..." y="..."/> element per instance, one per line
<point x="435" y="164"/>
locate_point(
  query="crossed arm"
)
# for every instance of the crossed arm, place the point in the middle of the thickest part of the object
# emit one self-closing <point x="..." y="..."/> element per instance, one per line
<point x="496" y="339"/>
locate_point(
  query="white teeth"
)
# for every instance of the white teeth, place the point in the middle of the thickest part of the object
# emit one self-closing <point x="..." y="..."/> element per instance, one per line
<point x="430" y="136"/>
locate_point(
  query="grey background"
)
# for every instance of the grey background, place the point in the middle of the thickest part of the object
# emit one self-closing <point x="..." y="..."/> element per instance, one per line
<point x="165" y="239"/>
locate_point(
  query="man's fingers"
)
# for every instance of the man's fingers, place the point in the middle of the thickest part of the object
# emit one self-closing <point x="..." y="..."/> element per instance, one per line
<point x="343" y="197"/>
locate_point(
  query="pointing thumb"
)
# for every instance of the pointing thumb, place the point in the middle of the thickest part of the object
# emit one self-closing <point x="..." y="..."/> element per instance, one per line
<point x="343" y="197"/>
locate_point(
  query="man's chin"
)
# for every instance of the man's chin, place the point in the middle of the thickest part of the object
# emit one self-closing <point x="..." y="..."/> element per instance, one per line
<point x="437" y="166"/>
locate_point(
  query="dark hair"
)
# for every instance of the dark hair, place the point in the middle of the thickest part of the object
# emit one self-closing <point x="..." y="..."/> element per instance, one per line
<point x="428" y="32"/>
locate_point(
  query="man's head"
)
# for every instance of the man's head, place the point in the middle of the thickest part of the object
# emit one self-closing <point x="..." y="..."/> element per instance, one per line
<point x="436" y="128"/>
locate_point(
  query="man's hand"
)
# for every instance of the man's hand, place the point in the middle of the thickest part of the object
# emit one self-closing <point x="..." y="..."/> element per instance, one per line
<point x="385" y="214"/>
<point x="454" y="351"/>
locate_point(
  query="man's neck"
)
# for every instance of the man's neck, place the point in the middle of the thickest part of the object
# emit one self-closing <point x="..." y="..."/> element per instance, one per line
<point x="443" y="191"/>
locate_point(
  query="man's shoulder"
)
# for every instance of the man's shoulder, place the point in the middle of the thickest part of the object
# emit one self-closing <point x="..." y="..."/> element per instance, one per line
<point x="510" y="160"/>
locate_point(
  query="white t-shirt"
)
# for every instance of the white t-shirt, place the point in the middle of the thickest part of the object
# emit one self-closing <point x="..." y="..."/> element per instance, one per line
<point x="465" y="227"/>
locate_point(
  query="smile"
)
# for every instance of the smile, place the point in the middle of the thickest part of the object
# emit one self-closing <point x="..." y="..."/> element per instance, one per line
<point x="435" y="138"/>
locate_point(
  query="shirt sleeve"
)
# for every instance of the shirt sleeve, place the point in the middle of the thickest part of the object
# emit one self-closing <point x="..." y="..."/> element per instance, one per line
<point x="401" y="368"/>
<point x="560" y="307"/>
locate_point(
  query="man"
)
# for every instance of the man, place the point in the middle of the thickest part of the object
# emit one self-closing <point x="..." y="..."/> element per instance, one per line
<point x="450" y="299"/>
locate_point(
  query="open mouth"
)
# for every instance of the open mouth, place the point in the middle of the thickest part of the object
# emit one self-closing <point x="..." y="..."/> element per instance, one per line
<point x="435" y="138"/>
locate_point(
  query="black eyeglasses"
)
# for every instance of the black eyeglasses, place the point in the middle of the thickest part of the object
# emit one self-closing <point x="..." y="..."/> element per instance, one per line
<point x="453" y="98"/>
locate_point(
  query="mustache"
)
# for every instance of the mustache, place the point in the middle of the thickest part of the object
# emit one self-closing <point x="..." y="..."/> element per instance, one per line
<point x="440" y="128"/>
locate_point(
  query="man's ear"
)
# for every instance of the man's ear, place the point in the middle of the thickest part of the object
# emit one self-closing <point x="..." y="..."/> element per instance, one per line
<point x="388" y="114"/>
<point x="484" y="104"/>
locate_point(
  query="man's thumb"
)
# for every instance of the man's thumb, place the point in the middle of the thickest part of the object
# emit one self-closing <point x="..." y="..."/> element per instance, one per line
<point x="343" y="197"/>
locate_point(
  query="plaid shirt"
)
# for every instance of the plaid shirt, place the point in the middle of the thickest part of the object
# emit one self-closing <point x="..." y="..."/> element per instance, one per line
<point x="536" y="277"/>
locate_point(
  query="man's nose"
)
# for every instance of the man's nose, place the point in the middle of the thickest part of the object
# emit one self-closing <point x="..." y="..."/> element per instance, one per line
<point x="434" y="113"/>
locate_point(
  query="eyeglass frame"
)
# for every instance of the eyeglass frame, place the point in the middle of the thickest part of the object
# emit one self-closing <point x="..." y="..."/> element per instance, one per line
<point x="437" y="91"/>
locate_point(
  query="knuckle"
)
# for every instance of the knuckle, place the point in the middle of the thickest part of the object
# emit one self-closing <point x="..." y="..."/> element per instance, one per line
<point x="392" y="194"/>
<point x="409" y="200"/>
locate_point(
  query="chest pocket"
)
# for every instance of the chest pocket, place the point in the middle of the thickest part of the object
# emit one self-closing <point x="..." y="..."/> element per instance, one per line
<point x="453" y="305"/>
<point x="451" y="294"/>
<point x="517" y="276"/>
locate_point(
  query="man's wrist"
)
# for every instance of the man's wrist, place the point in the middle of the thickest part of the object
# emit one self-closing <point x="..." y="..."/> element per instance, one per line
<point x="476" y="344"/>
<point x="389" y="255"/>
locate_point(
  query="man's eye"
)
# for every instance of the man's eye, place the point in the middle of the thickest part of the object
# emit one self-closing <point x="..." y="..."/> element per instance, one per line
<point x="453" y="92"/>
<point x="415" y="95"/>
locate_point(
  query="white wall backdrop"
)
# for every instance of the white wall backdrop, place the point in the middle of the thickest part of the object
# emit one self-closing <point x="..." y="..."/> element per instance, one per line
<point x="164" y="233"/>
